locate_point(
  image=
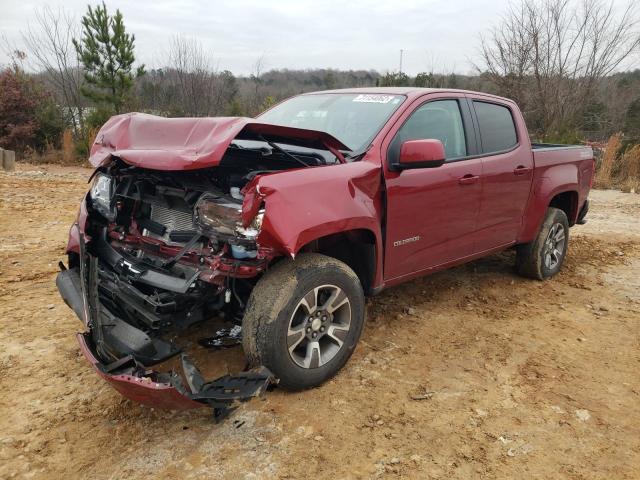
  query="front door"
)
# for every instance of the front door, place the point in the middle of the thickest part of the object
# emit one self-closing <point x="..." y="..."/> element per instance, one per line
<point x="432" y="212"/>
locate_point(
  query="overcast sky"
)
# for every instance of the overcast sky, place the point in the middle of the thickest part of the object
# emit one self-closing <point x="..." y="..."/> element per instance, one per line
<point x="438" y="34"/>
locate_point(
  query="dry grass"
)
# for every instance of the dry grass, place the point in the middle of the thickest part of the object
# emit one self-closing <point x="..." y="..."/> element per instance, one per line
<point x="605" y="168"/>
<point x="68" y="147"/>
<point x="52" y="156"/>
<point x="619" y="170"/>
<point x="630" y="170"/>
<point x="49" y="155"/>
<point x="67" y="155"/>
<point x="91" y="135"/>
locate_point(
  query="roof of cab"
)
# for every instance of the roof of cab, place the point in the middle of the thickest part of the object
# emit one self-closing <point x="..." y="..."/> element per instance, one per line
<point x="410" y="92"/>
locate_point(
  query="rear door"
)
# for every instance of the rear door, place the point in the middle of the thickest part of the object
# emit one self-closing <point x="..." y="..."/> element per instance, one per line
<point x="507" y="172"/>
<point x="432" y="212"/>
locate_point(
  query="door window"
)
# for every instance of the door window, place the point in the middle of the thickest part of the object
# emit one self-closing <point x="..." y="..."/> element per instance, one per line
<point x="441" y="120"/>
<point x="497" y="129"/>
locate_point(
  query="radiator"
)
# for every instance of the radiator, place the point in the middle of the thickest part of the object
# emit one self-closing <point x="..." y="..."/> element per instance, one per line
<point x="173" y="220"/>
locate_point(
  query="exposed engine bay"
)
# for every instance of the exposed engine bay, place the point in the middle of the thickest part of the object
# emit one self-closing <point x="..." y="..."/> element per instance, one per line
<point x="165" y="250"/>
<point x="177" y="238"/>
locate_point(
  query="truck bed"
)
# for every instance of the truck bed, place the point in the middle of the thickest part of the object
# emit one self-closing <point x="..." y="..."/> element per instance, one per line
<point x="554" y="146"/>
<point x="548" y="154"/>
<point x="568" y="165"/>
<point x="552" y="153"/>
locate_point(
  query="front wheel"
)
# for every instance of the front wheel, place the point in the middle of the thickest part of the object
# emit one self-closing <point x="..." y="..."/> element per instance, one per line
<point x="304" y="319"/>
<point x="544" y="257"/>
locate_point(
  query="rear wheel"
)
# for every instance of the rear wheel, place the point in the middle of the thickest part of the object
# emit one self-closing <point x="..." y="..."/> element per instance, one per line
<point x="304" y="319"/>
<point x="544" y="257"/>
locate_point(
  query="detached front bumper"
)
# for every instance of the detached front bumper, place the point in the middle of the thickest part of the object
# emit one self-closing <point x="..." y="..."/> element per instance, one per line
<point x="129" y="374"/>
<point x="142" y="390"/>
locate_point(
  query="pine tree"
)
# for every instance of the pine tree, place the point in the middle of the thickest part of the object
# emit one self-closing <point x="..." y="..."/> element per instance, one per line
<point x="106" y="52"/>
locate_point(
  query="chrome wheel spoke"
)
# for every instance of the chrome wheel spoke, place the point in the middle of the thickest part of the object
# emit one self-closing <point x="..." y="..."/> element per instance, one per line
<point x="329" y="301"/>
<point x="559" y="236"/>
<point x="294" y="337"/>
<point x="338" y="333"/>
<point x="337" y="299"/>
<point x="310" y="301"/>
<point x="313" y="357"/>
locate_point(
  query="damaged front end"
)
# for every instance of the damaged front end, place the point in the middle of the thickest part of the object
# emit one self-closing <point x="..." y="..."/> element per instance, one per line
<point x="170" y="238"/>
<point x="155" y="254"/>
<point x="129" y="331"/>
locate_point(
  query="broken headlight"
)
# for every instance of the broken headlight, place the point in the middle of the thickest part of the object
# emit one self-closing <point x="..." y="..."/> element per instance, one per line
<point x="251" y="232"/>
<point x="217" y="215"/>
<point x="101" y="194"/>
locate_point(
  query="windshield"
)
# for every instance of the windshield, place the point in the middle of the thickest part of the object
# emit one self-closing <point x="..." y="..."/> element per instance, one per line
<point x="354" y="119"/>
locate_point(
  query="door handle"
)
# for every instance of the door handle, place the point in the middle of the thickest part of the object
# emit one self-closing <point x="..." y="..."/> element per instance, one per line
<point x="468" y="179"/>
<point x="521" y="170"/>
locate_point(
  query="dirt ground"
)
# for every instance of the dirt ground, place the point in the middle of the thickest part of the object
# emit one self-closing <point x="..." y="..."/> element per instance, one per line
<point x="470" y="373"/>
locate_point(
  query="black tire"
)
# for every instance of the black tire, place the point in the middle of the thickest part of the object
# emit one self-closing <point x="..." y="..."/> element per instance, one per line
<point x="537" y="259"/>
<point x="275" y="306"/>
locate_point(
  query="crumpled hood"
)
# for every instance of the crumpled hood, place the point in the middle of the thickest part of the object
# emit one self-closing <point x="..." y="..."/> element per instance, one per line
<point x="160" y="143"/>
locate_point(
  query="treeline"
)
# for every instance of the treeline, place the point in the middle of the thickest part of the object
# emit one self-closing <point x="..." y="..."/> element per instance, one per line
<point x="171" y="92"/>
<point x="556" y="59"/>
<point x="613" y="106"/>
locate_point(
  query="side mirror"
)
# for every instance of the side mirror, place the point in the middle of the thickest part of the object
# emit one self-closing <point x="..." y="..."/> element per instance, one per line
<point x="427" y="153"/>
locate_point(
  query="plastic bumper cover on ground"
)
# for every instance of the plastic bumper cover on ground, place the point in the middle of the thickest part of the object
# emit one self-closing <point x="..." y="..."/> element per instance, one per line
<point x="147" y="386"/>
<point x="140" y="389"/>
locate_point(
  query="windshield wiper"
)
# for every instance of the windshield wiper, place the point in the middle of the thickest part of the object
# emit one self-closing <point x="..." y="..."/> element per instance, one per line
<point x="277" y="147"/>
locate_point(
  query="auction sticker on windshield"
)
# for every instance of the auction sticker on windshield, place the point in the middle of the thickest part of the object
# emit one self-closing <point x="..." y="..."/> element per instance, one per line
<point x="368" y="98"/>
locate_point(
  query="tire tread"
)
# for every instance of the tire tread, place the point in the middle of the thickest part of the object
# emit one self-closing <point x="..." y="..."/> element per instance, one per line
<point x="529" y="261"/>
<point x="269" y="299"/>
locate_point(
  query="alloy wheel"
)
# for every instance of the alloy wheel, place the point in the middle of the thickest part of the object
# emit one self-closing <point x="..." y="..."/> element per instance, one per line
<point x="554" y="246"/>
<point x="319" y="326"/>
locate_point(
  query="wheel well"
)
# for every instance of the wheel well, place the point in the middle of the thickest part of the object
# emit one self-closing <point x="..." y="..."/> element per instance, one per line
<point x="356" y="248"/>
<point x="568" y="203"/>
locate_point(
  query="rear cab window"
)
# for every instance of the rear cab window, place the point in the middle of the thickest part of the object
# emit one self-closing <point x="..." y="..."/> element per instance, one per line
<point x="497" y="127"/>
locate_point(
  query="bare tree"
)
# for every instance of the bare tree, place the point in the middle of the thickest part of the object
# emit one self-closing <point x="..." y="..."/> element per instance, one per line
<point x="256" y="78"/>
<point x="49" y="43"/>
<point x="549" y="55"/>
<point x="16" y="56"/>
<point x="437" y="75"/>
<point x="199" y="85"/>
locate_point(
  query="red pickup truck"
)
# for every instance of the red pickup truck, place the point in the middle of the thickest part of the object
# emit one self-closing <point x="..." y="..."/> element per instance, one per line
<point x="281" y="225"/>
